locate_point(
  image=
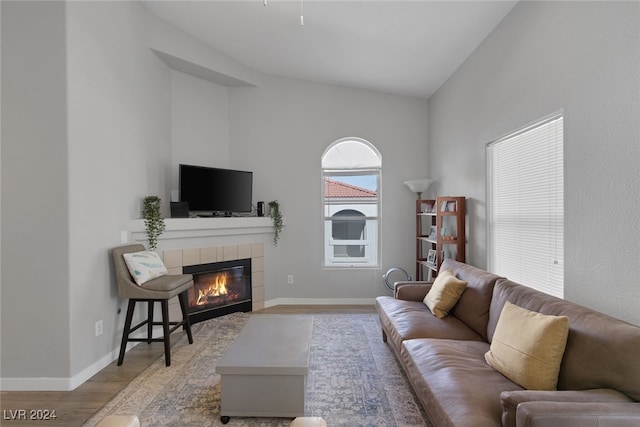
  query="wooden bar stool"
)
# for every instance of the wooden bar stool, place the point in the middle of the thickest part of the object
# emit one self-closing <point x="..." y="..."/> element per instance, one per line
<point x="160" y="289"/>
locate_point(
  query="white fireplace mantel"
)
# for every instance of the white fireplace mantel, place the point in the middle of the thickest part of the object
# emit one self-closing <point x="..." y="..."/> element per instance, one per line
<point x="181" y="228"/>
<point x="193" y="241"/>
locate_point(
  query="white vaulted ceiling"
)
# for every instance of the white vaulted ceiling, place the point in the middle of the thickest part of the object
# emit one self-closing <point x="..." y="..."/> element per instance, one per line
<point x="401" y="47"/>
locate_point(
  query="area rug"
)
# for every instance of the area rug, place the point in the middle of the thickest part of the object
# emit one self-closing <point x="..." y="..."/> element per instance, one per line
<point x="353" y="380"/>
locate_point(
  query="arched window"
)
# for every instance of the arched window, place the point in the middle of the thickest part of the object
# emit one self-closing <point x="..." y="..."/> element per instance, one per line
<point x="351" y="202"/>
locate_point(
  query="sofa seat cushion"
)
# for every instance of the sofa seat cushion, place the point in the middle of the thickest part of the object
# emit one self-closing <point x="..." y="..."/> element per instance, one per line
<point x="453" y="381"/>
<point x="403" y="320"/>
<point x="563" y="414"/>
<point x="512" y="399"/>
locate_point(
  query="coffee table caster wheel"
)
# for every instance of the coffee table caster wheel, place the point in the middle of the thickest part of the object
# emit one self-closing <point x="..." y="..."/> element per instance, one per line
<point x="224" y="419"/>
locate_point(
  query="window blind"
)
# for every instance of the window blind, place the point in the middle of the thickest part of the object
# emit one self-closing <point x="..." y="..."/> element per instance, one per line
<point x="525" y="202"/>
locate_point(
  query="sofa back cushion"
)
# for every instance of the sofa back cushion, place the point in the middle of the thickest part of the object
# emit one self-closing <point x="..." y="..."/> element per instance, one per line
<point x="473" y="306"/>
<point x="601" y="352"/>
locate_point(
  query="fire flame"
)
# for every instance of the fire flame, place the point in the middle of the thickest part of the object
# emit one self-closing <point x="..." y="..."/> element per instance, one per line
<point x="215" y="289"/>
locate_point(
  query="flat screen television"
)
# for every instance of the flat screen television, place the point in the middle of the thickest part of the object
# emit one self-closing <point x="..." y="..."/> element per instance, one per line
<point x="211" y="191"/>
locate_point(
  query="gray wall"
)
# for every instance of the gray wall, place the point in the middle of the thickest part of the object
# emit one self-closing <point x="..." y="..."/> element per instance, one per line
<point x="199" y="123"/>
<point x="582" y="57"/>
<point x="93" y="121"/>
<point x="118" y="106"/>
<point x="86" y="136"/>
<point x="100" y="121"/>
<point x="280" y="131"/>
<point x="36" y="304"/>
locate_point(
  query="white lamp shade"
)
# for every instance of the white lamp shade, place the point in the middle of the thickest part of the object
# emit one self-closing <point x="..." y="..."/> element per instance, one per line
<point x="418" y="185"/>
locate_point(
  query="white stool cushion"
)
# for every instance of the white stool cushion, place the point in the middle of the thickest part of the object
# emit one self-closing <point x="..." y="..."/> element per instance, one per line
<point x="120" y="421"/>
<point x="308" y="422"/>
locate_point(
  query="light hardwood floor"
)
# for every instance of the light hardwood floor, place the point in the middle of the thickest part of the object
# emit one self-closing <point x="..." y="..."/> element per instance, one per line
<point x="73" y="408"/>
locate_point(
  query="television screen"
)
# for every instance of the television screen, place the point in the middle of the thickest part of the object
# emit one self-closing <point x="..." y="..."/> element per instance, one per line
<point x="212" y="190"/>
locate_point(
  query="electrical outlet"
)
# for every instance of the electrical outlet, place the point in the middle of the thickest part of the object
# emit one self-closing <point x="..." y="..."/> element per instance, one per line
<point x="290" y="279"/>
<point x="99" y="328"/>
<point x="124" y="237"/>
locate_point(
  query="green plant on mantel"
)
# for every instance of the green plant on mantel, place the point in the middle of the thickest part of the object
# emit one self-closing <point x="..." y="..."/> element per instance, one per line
<point x="153" y="222"/>
<point x="276" y="217"/>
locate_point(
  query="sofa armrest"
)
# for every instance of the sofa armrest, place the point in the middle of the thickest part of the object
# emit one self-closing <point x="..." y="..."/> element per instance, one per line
<point x="571" y="414"/>
<point x="411" y="291"/>
<point x="511" y="400"/>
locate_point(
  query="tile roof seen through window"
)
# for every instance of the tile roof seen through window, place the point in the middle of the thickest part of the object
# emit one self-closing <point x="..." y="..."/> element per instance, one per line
<point x="341" y="190"/>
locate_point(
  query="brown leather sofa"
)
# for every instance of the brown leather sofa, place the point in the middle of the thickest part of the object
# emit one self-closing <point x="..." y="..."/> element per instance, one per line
<point x="599" y="380"/>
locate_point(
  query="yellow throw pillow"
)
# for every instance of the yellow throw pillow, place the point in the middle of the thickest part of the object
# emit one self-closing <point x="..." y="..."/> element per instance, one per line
<point x="444" y="293"/>
<point x="527" y="347"/>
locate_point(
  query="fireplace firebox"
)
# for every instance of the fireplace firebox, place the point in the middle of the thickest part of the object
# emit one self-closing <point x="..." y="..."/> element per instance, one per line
<point x="219" y="288"/>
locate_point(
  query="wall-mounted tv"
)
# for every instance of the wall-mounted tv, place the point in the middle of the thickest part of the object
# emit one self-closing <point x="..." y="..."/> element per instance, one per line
<point x="213" y="191"/>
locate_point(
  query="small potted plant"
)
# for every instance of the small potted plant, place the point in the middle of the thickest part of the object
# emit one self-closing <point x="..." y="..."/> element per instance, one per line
<point x="153" y="221"/>
<point x="276" y="217"/>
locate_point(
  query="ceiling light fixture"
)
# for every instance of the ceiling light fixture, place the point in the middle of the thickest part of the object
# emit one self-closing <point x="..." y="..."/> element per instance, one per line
<point x="264" y="3"/>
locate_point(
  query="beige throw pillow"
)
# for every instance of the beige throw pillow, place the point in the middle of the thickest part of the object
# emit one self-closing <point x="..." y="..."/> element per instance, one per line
<point x="444" y="293"/>
<point x="527" y="347"/>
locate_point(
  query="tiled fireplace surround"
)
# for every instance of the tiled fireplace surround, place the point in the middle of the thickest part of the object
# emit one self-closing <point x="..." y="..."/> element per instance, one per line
<point x="193" y="241"/>
<point x="175" y="259"/>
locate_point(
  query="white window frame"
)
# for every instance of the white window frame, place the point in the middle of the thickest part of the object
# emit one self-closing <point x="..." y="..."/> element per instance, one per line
<point x="369" y="242"/>
<point x="352" y="163"/>
<point x="525" y="205"/>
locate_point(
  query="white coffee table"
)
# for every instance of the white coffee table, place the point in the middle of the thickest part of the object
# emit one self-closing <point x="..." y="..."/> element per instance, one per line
<point x="263" y="372"/>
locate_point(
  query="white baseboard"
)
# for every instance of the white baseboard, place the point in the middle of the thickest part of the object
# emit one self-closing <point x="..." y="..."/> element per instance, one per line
<point x="319" y="301"/>
<point x="71" y="383"/>
<point x="68" y="384"/>
<point x="57" y="384"/>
